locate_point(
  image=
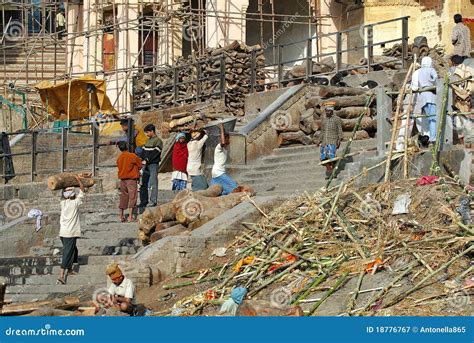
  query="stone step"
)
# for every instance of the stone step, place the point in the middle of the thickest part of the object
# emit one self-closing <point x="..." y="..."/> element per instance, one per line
<point x="289" y="187"/>
<point x="366" y="144"/>
<point x="46" y="289"/>
<point x="312" y="171"/>
<point x="50" y="261"/>
<point x="28" y="297"/>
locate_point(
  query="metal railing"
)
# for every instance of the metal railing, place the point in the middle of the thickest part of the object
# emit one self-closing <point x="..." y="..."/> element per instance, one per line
<point x="94" y="132"/>
<point x="196" y="75"/>
<point x="367" y="34"/>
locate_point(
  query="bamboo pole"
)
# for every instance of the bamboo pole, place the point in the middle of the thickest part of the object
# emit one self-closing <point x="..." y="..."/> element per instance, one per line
<point x="333" y="207"/>
<point x="331" y="290"/>
<point x="435" y="169"/>
<point x="395" y="123"/>
<point x="353" y="300"/>
<point x="419" y="284"/>
<point x="190" y="283"/>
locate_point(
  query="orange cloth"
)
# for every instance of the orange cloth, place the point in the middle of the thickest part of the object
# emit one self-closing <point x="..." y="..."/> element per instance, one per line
<point x="242" y="262"/>
<point x="129" y="166"/>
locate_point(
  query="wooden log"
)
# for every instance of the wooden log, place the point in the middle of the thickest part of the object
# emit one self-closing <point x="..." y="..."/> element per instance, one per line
<point x="212" y="191"/>
<point x="180" y="115"/>
<point x="166" y="225"/>
<point x="174" y="230"/>
<point x="316" y="125"/>
<point x="293" y="137"/>
<point x="164" y="213"/>
<point x="349" y="101"/>
<point x="367" y="124"/>
<point x="359" y="135"/>
<point x="182" y="121"/>
<point x="64" y="180"/>
<point x="331" y="91"/>
<point x="349" y="112"/>
<point x="313" y="102"/>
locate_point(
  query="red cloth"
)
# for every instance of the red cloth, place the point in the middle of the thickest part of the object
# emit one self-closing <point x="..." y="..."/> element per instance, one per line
<point x="427" y="180"/>
<point x="180" y="156"/>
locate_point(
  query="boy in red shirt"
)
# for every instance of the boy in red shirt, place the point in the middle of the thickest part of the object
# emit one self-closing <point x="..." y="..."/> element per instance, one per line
<point x="129" y="166"/>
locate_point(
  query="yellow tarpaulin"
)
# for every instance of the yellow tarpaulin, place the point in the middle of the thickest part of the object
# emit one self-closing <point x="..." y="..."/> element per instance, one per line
<point x="55" y="98"/>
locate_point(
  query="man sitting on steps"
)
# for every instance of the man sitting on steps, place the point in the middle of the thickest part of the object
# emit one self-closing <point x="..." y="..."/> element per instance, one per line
<point x="121" y="291"/>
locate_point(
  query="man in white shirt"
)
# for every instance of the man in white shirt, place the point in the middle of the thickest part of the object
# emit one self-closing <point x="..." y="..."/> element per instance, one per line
<point x="70" y="228"/>
<point x="219" y="176"/>
<point x="194" y="166"/>
<point x="121" y="291"/>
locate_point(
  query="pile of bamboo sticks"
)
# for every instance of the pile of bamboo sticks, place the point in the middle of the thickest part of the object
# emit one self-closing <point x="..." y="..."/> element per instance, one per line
<point x="345" y="247"/>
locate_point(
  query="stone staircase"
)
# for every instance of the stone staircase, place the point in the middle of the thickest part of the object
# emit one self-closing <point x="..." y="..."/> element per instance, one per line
<point x="104" y="238"/>
<point x="295" y="169"/>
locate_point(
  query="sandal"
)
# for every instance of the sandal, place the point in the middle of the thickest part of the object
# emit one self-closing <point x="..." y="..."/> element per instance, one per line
<point x="60" y="281"/>
<point x="123" y="220"/>
<point x="72" y="272"/>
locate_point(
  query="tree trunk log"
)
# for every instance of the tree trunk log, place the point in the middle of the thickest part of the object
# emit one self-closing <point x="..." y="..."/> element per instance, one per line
<point x="367" y="124"/>
<point x="64" y="180"/>
<point x="331" y="91"/>
<point x="175" y="230"/>
<point x="360" y="135"/>
<point x="349" y="112"/>
<point x="313" y="102"/>
<point x="348" y="101"/>
<point x="164" y="213"/>
<point x="293" y="137"/>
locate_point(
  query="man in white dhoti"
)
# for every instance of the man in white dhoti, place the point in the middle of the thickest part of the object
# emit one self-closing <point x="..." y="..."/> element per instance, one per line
<point x="425" y="102"/>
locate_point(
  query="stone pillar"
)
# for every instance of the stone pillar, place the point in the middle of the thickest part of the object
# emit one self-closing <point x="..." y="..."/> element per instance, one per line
<point x="384" y="112"/>
<point x="220" y="29"/>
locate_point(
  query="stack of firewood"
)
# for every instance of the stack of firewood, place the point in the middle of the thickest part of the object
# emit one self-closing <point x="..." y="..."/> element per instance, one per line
<point x="437" y="53"/>
<point x="237" y="68"/>
<point x="187" y="211"/>
<point x="303" y="127"/>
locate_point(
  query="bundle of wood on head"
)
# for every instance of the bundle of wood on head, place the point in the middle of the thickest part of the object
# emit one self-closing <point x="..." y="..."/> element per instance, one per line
<point x="234" y="59"/>
<point x="65" y="180"/>
<point x="302" y="126"/>
<point x="187" y="211"/>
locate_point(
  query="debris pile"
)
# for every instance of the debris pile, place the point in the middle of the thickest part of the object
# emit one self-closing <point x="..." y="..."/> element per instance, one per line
<point x="203" y="77"/>
<point x="437" y="53"/>
<point x="188" y="210"/>
<point x="398" y="248"/>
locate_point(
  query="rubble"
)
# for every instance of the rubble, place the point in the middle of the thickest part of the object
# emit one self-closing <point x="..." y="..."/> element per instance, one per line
<point x="317" y="250"/>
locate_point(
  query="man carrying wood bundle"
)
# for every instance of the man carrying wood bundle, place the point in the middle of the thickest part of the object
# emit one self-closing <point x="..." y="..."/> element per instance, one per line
<point x="461" y="38"/>
<point x="129" y="166"/>
<point x="425" y="104"/>
<point x="70" y="229"/>
<point x="194" y="168"/>
<point x="122" y="291"/>
<point x="138" y="135"/>
<point x="219" y="176"/>
<point x="331" y="136"/>
<point x="179" y="161"/>
<point x="151" y="160"/>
